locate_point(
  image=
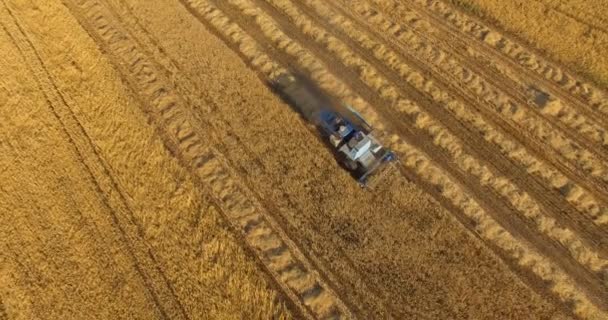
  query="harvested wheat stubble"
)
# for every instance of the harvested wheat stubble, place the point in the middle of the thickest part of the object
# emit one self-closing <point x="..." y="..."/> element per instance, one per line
<point x="410" y="37"/>
<point x="549" y="25"/>
<point x="561" y="112"/>
<point x="564" y="113"/>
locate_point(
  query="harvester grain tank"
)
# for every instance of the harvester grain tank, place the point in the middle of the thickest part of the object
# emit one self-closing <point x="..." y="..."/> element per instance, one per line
<point x="343" y="129"/>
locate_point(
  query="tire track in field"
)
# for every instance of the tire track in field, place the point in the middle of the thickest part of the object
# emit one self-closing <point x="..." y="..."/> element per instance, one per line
<point x="582" y="192"/>
<point x="3" y="314"/>
<point x="122" y="217"/>
<point x="514" y="172"/>
<point x="293" y="273"/>
<point x="336" y="280"/>
<point x="530" y="66"/>
<point x="370" y="96"/>
<point x="414" y="159"/>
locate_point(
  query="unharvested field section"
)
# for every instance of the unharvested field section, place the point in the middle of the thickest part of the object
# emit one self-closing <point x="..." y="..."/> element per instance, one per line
<point x="100" y="220"/>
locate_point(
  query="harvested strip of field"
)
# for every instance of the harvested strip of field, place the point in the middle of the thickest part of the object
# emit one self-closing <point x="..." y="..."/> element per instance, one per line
<point x="565" y="146"/>
<point x="599" y="268"/>
<point x="391" y="57"/>
<point x="416" y="33"/>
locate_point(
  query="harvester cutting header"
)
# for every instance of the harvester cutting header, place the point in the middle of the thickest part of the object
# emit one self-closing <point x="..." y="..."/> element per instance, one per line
<point x="344" y="130"/>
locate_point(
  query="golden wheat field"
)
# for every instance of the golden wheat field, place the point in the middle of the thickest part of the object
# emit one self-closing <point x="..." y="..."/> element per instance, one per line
<point x="149" y="171"/>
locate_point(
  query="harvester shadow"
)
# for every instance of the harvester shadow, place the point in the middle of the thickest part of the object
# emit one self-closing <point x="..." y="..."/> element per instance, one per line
<point x="308" y="119"/>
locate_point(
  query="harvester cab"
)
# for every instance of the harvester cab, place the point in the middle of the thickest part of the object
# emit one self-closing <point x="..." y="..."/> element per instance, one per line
<point x="344" y="130"/>
<point x="356" y="148"/>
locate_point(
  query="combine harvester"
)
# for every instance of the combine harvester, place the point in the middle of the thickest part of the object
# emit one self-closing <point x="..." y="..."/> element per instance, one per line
<point x="343" y="129"/>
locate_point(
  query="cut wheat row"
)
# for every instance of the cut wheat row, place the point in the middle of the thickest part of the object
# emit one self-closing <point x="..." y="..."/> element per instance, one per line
<point x="531" y="68"/>
<point x="444" y="139"/>
<point x="279" y="255"/>
<point x="422" y="166"/>
<point x="577" y="195"/>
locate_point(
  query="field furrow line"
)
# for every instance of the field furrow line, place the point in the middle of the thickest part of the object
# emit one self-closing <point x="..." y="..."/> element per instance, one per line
<point x="530" y="67"/>
<point x="291" y="270"/>
<point x="586" y="193"/>
<point x="451" y="145"/>
<point x="18" y="256"/>
<point x="122" y="219"/>
<point x="266" y="30"/>
<point x="218" y="123"/>
<point x="550" y="178"/>
<point x="3" y="313"/>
